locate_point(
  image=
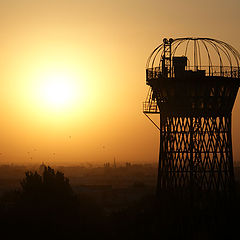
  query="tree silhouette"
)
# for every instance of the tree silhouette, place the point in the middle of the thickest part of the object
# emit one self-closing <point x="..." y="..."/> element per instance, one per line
<point x="50" y="184"/>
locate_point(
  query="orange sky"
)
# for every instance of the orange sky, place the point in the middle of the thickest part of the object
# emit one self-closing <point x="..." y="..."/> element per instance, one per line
<point x="103" y="46"/>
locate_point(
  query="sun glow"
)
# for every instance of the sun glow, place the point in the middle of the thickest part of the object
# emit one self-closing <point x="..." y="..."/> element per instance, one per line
<point x="54" y="91"/>
<point x="58" y="90"/>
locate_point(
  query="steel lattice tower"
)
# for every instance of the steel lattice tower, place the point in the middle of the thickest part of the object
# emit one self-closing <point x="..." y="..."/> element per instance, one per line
<point x="193" y="86"/>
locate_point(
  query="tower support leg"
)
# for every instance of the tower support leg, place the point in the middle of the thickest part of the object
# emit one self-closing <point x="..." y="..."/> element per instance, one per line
<point x="195" y="153"/>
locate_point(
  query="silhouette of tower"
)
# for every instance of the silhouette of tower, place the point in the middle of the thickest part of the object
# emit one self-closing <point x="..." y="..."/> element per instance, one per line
<point x="193" y="86"/>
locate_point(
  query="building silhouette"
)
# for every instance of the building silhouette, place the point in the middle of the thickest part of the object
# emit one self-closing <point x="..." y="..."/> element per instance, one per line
<point x="193" y="86"/>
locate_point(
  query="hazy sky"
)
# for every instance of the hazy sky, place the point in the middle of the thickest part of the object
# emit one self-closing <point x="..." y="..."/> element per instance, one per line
<point x="101" y="47"/>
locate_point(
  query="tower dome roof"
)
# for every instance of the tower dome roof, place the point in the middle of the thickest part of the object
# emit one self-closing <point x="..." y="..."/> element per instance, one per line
<point x="216" y="57"/>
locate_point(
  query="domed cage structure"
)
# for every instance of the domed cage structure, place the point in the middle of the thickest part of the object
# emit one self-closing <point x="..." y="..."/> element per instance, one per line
<point x="193" y="86"/>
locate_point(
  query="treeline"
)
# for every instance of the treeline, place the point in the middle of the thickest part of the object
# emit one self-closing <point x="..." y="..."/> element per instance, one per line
<point x="47" y="207"/>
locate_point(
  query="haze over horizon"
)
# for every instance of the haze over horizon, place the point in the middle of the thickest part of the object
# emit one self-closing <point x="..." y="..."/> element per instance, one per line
<point x="97" y="50"/>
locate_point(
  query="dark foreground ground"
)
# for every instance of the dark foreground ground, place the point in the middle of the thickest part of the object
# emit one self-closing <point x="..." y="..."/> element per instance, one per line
<point x="107" y="203"/>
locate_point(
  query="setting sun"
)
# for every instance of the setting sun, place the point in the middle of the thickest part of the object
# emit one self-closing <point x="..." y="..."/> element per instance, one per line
<point x="58" y="90"/>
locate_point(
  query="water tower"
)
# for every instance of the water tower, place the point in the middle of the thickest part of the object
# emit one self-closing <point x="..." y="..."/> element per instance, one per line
<point x="193" y="86"/>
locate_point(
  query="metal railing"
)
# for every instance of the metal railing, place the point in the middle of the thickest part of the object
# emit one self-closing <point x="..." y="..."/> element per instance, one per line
<point x="150" y="107"/>
<point x="214" y="71"/>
